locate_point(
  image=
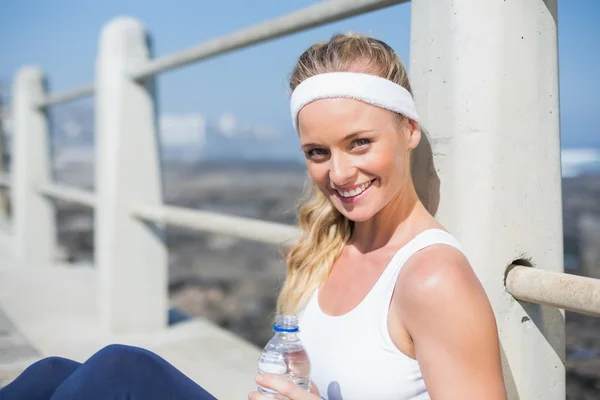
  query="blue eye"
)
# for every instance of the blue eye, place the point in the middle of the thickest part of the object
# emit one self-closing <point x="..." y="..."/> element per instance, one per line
<point x="362" y="142"/>
<point x="316" y="152"/>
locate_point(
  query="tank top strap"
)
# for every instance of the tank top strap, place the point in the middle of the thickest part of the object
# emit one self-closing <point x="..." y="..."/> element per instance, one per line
<point x="383" y="298"/>
<point x="380" y="295"/>
<point x="423" y="240"/>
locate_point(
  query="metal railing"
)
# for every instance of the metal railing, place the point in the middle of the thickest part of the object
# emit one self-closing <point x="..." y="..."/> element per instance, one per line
<point x="566" y="291"/>
<point x="68" y="193"/>
<point x="310" y="17"/>
<point x="129" y="206"/>
<point x="519" y="280"/>
<point x="64" y="97"/>
<point x="212" y="222"/>
<point x="113" y="186"/>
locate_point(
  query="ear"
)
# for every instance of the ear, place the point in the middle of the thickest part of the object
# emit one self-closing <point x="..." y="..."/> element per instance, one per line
<point x="413" y="133"/>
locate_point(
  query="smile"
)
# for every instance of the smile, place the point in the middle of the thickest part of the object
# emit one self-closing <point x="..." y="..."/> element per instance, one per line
<point x="353" y="194"/>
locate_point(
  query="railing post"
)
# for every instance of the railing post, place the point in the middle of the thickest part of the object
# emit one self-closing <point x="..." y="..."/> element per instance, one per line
<point x="34" y="224"/>
<point x="485" y="77"/>
<point x="130" y="255"/>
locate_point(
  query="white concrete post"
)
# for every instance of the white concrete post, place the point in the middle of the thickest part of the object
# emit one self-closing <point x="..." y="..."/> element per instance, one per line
<point x="34" y="224"/>
<point x="130" y="255"/>
<point x="485" y="77"/>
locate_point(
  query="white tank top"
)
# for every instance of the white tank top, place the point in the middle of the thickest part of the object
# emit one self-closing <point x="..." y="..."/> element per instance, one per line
<point x="352" y="356"/>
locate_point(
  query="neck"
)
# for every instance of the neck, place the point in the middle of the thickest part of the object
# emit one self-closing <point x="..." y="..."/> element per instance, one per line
<point x="394" y="223"/>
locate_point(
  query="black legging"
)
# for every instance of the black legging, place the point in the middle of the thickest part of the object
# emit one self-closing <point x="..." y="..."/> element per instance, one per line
<point x="115" y="372"/>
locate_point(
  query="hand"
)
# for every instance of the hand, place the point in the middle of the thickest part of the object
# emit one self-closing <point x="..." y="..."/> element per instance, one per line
<point x="282" y="386"/>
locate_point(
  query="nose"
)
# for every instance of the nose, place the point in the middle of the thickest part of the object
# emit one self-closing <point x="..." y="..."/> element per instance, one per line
<point x="341" y="171"/>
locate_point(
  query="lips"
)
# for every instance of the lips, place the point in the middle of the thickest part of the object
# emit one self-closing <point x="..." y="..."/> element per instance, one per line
<point x="354" y="194"/>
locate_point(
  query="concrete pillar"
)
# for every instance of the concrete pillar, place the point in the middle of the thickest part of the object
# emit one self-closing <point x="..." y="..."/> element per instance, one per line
<point x="485" y="77"/>
<point x="130" y="255"/>
<point x="34" y="225"/>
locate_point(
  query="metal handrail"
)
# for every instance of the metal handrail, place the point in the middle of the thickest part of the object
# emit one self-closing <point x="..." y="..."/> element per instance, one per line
<point x="68" y="193"/>
<point x="63" y="97"/>
<point x="561" y="290"/>
<point x="309" y="17"/>
<point x="225" y="224"/>
<point x="566" y="291"/>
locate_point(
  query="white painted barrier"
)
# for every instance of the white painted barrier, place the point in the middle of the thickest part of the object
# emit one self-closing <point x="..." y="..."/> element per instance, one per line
<point x="485" y="78"/>
<point x="34" y="224"/>
<point x="131" y="255"/>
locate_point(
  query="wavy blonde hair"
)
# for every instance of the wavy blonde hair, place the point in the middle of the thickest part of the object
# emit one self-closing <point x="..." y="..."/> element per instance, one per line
<point x="324" y="230"/>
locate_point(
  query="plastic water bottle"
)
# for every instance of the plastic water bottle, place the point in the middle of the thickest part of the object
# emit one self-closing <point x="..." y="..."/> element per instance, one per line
<point x="285" y="356"/>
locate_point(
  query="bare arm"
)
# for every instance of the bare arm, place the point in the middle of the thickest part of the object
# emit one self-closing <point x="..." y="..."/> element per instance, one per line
<point x="445" y="310"/>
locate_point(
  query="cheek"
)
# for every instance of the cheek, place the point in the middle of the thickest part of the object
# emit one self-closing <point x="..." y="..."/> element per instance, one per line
<point x="384" y="163"/>
<point x="389" y="166"/>
<point x="319" y="174"/>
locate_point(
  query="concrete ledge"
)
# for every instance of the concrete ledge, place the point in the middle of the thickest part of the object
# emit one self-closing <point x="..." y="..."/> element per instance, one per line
<point x="54" y="308"/>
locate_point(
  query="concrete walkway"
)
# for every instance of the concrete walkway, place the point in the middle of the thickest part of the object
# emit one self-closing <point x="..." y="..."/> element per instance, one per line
<point x="16" y="353"/>
<point x="51" y="310"/>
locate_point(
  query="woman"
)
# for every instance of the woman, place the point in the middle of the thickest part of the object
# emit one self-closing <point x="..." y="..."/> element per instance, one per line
<point x="389" y="306"/>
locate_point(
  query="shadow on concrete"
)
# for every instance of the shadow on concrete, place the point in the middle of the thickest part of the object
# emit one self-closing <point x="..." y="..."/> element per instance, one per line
<point x="425" y="177"/>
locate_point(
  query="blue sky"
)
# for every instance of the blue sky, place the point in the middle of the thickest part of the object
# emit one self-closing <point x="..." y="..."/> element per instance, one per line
<point x="61" y="36"/>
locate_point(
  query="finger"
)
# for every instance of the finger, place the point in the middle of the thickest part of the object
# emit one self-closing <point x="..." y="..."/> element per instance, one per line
<point x="314" y="389"/>
<point x="256" y="396"/>
<point x="283" y="386"/>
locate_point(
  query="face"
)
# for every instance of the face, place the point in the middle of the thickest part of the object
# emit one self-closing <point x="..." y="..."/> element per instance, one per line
<point x="357" y="154"/>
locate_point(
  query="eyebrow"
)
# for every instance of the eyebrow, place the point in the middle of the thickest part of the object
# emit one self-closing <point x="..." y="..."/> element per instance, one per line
<point x="346" y="138"/>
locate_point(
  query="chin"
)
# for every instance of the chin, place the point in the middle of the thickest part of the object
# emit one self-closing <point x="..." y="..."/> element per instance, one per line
<point x="357" y="216"/>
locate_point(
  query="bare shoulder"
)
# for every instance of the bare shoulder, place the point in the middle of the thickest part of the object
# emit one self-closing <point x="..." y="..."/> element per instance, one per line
<point x="445" y="310"/>
<point x="434" y="275"/>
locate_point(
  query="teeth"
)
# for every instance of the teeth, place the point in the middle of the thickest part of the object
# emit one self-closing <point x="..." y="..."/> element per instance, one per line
<point x="355" y="192"/>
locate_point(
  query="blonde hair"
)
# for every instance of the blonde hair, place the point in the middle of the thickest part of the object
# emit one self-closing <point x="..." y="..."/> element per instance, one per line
<point x="324" y="230"/>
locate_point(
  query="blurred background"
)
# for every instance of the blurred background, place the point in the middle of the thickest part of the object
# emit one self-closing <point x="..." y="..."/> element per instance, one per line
<point x="228" y="143"/>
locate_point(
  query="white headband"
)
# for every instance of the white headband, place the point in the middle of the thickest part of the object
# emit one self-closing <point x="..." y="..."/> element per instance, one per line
<point x="369" y="88"/>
